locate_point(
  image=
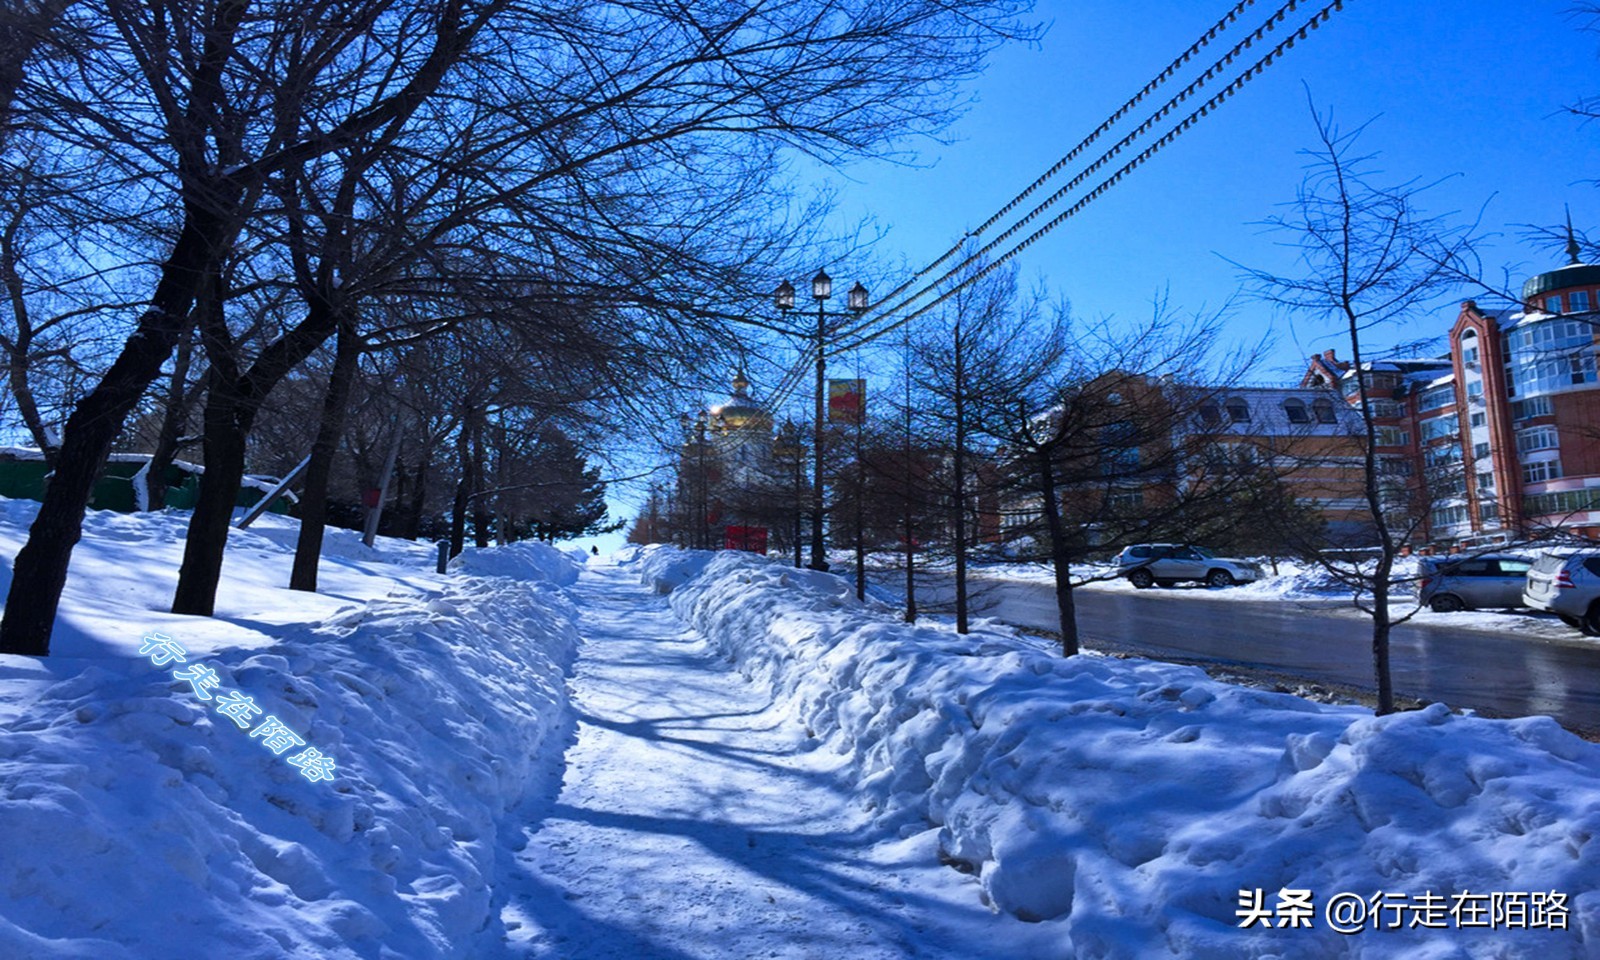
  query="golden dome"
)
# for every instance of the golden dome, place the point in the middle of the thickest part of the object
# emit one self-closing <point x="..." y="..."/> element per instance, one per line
<point x="740" y="410"/>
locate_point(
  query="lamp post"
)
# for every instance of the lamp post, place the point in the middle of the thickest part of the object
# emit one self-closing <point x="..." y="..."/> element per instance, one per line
<point x="821" y="290"/>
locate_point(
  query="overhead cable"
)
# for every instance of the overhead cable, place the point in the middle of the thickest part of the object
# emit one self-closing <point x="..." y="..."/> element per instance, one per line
<point x="1215" y="101"/>
<point x="1216" y="69"/>
<point x="1122" y="111"/>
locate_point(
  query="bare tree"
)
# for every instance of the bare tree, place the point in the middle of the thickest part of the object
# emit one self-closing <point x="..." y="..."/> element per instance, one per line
<point x="1101" y="431"/>
<point x="1370" y="259"/>
<point x="958" y="361"/>
<point x="221" y="96"/>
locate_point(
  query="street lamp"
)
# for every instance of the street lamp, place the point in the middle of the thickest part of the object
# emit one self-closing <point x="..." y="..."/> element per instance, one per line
<point x="856" y="302"/>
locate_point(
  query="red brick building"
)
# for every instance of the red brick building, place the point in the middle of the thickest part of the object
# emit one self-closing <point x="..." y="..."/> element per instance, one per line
<point x="1503" y="431"/>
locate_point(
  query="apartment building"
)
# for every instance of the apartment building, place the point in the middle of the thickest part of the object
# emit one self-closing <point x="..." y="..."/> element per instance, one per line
<point x="1502" y="434"/>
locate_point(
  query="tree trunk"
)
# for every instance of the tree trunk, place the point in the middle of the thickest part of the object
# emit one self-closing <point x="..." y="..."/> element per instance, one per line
<point x="39" y="572"/>
<point x="1380" y="634"/>
<point x="27" y="406"/>
<point x="906" y="491"/>
<point x="227" y="427"/>
<point x="458" y="510"/>
<point x="314" y="497"/>
<point x="179" y="400"/>
<point x="419" y="493"/>
<point x="1060" y="558"/>
<point x="480" y="503"/>
<point x="961" y="487"/>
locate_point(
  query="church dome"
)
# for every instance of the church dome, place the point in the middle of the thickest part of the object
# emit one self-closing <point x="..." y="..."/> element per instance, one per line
<point x="740" y="410"/>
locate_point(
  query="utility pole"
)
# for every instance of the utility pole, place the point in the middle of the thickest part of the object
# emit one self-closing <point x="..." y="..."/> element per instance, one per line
<point x="376" y="513"/>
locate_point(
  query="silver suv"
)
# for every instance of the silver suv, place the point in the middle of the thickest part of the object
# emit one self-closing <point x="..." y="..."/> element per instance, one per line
<point x="1163" y="564"/>
<point x="1567" y="585"/>
<point x="1491" y="581"/>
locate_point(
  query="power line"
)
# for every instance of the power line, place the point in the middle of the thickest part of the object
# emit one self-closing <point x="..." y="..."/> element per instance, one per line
<point x="1316" y="21"/>
<point x="1084" y="144"/>
<point x="786" y="387"/>
<point x="1216" y="69"/>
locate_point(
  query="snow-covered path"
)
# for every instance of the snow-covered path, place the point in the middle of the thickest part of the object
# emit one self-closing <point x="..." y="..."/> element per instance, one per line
<point x="694" y="821"/>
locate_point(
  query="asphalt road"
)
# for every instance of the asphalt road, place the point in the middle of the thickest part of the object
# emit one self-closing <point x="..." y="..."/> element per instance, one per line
<point x="1496" y="672"/>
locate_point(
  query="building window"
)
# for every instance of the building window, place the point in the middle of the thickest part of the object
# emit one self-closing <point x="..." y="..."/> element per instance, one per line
<point x="1238" y="410"/>
<point x="1578" y="301"/>
<point x="1438" y="427"/>
<point x="1532" y="407"/>
<point x="1552" y="304"/>
<point x="1486" y="481"/>
<point x="1489" y="511"/>
<point x="1125" y="501"/>
<point x="1469" y="355"/>
<point x="1381" y="410"/>
<point x="1479" y="419"/>
<point x="1323" y="408"/>
<point x="1474" y="389"/>
<point x="1547" y="356"/>
<point x="1562" y="504"/>
<point x="1392" y="437"/>
<point x="1119" y="451"/>
<point x="1537" y="438"/>
<point x="1394" y="467"/>
<point x="1435" y="397"/>
<point x="1541" y="470"/>
<point x="1480" y="451"/>
<point x="1449" y="516"/>
<point x="1447" y="454"/>
<point x="1296" y="411"/>
<point x="1209" y="414"/>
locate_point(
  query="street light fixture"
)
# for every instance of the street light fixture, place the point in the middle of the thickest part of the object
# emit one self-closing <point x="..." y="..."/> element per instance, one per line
<point x="783" y="298"/>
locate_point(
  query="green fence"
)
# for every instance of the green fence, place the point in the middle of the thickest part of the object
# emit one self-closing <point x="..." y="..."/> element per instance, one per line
<point x="22" y="479"/>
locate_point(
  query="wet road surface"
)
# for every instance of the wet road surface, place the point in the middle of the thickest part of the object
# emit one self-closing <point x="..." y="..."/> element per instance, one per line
<point x="1498" y="673"/>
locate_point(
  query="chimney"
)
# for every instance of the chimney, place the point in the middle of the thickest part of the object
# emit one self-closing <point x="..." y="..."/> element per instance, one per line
<point x="1328" y="356"/>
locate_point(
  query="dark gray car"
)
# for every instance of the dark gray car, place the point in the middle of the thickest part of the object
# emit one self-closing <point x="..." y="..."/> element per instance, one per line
<point x="1492" y="582"/>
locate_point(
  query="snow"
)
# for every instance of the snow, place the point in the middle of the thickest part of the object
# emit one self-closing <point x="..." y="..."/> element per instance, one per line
<point x="142" y="823"/>
<point x="528" y="560"/>
<point x="671" y="754"/>
<point x="1124" y="804"/>
<point x="697" y="819"/>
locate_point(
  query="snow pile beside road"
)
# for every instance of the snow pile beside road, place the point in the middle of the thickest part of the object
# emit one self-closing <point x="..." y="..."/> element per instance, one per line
<point x="1130" y="802"/>
<point x="523" y="560"/>
<point x="141" y="821"/>
<point x="664" y="569"/>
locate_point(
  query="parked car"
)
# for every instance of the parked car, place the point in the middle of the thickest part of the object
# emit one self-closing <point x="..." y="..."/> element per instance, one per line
<point x="1491" y="581"/>
<point x="1163" y="564"/>
<point x="1567" y="585"/>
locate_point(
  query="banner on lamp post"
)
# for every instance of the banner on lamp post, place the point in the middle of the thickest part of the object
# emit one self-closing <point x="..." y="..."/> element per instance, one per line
<point x="847" y="401"/>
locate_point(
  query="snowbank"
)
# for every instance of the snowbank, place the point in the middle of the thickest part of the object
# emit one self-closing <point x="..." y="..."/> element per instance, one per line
<point x="524" y="560"/>
<point x="141" y="821"/>
<point x="664" y="569"/>
<point x="1131" y="802"/>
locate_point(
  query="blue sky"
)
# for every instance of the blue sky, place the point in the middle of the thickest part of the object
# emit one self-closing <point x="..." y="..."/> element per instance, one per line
<point x="1470" y="91"/>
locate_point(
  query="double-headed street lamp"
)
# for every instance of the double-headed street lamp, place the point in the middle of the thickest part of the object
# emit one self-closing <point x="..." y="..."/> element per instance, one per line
<point x="821" y="290"/>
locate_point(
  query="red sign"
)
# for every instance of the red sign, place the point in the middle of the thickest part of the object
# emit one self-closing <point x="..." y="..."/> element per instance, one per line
<point x="847" y="401"/>
<point x="748" y="539"/>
